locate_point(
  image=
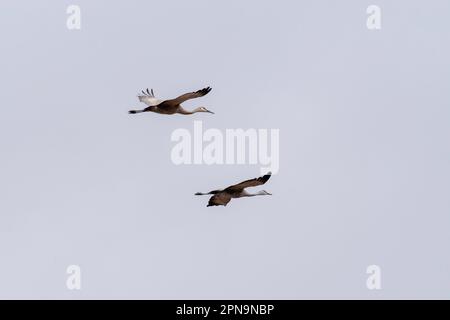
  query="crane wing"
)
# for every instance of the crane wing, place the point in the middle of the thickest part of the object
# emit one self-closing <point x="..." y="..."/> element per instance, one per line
<point x="220" y="199"/>
<point x="191" y="95"/>
<point x="148" y="97"/>
<point x="249" y="183"/>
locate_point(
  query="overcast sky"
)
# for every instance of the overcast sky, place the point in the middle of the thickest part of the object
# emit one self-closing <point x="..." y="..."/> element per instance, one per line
<point x="364" y="174"/>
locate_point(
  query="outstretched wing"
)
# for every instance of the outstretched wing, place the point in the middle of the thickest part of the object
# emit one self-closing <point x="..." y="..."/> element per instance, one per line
<point x="148" y="97"/>
<point x="249" y="183"/>
<point x="220" y="199"/>
<point x="191" y="95"/>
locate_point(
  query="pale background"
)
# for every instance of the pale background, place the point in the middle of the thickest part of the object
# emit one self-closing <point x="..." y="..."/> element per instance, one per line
<point x="364" y="153"/>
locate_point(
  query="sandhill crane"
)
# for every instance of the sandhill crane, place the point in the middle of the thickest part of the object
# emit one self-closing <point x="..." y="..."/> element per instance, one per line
<point x="170" y="106"/>
<point x="222" y="197"/>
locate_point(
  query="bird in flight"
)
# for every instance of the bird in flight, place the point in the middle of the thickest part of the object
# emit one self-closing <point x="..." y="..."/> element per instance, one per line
<point x="170" y="106"/>
<point x="222" y="197"/>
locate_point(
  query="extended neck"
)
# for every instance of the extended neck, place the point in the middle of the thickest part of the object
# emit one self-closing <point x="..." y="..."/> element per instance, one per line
<point x="259" y="193"/>
<point x="184" y="111"/>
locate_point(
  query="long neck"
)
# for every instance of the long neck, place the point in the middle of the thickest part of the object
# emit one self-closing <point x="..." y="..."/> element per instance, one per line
<point x="184" y="111"/>
<point x="245" y="193"/>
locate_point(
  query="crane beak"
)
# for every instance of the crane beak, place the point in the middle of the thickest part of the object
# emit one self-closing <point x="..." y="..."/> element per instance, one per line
<point x="209" y="111"/>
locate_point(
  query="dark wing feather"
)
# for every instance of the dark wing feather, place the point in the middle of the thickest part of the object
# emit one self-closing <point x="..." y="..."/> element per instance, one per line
<point x="249" y="183"/>
<point x="191" y="95"/>
<point x="148" y="93"/>
<point x="220" y="199"/>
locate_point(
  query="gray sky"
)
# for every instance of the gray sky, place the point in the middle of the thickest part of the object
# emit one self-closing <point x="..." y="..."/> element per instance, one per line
<point x="364" y="155"/>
